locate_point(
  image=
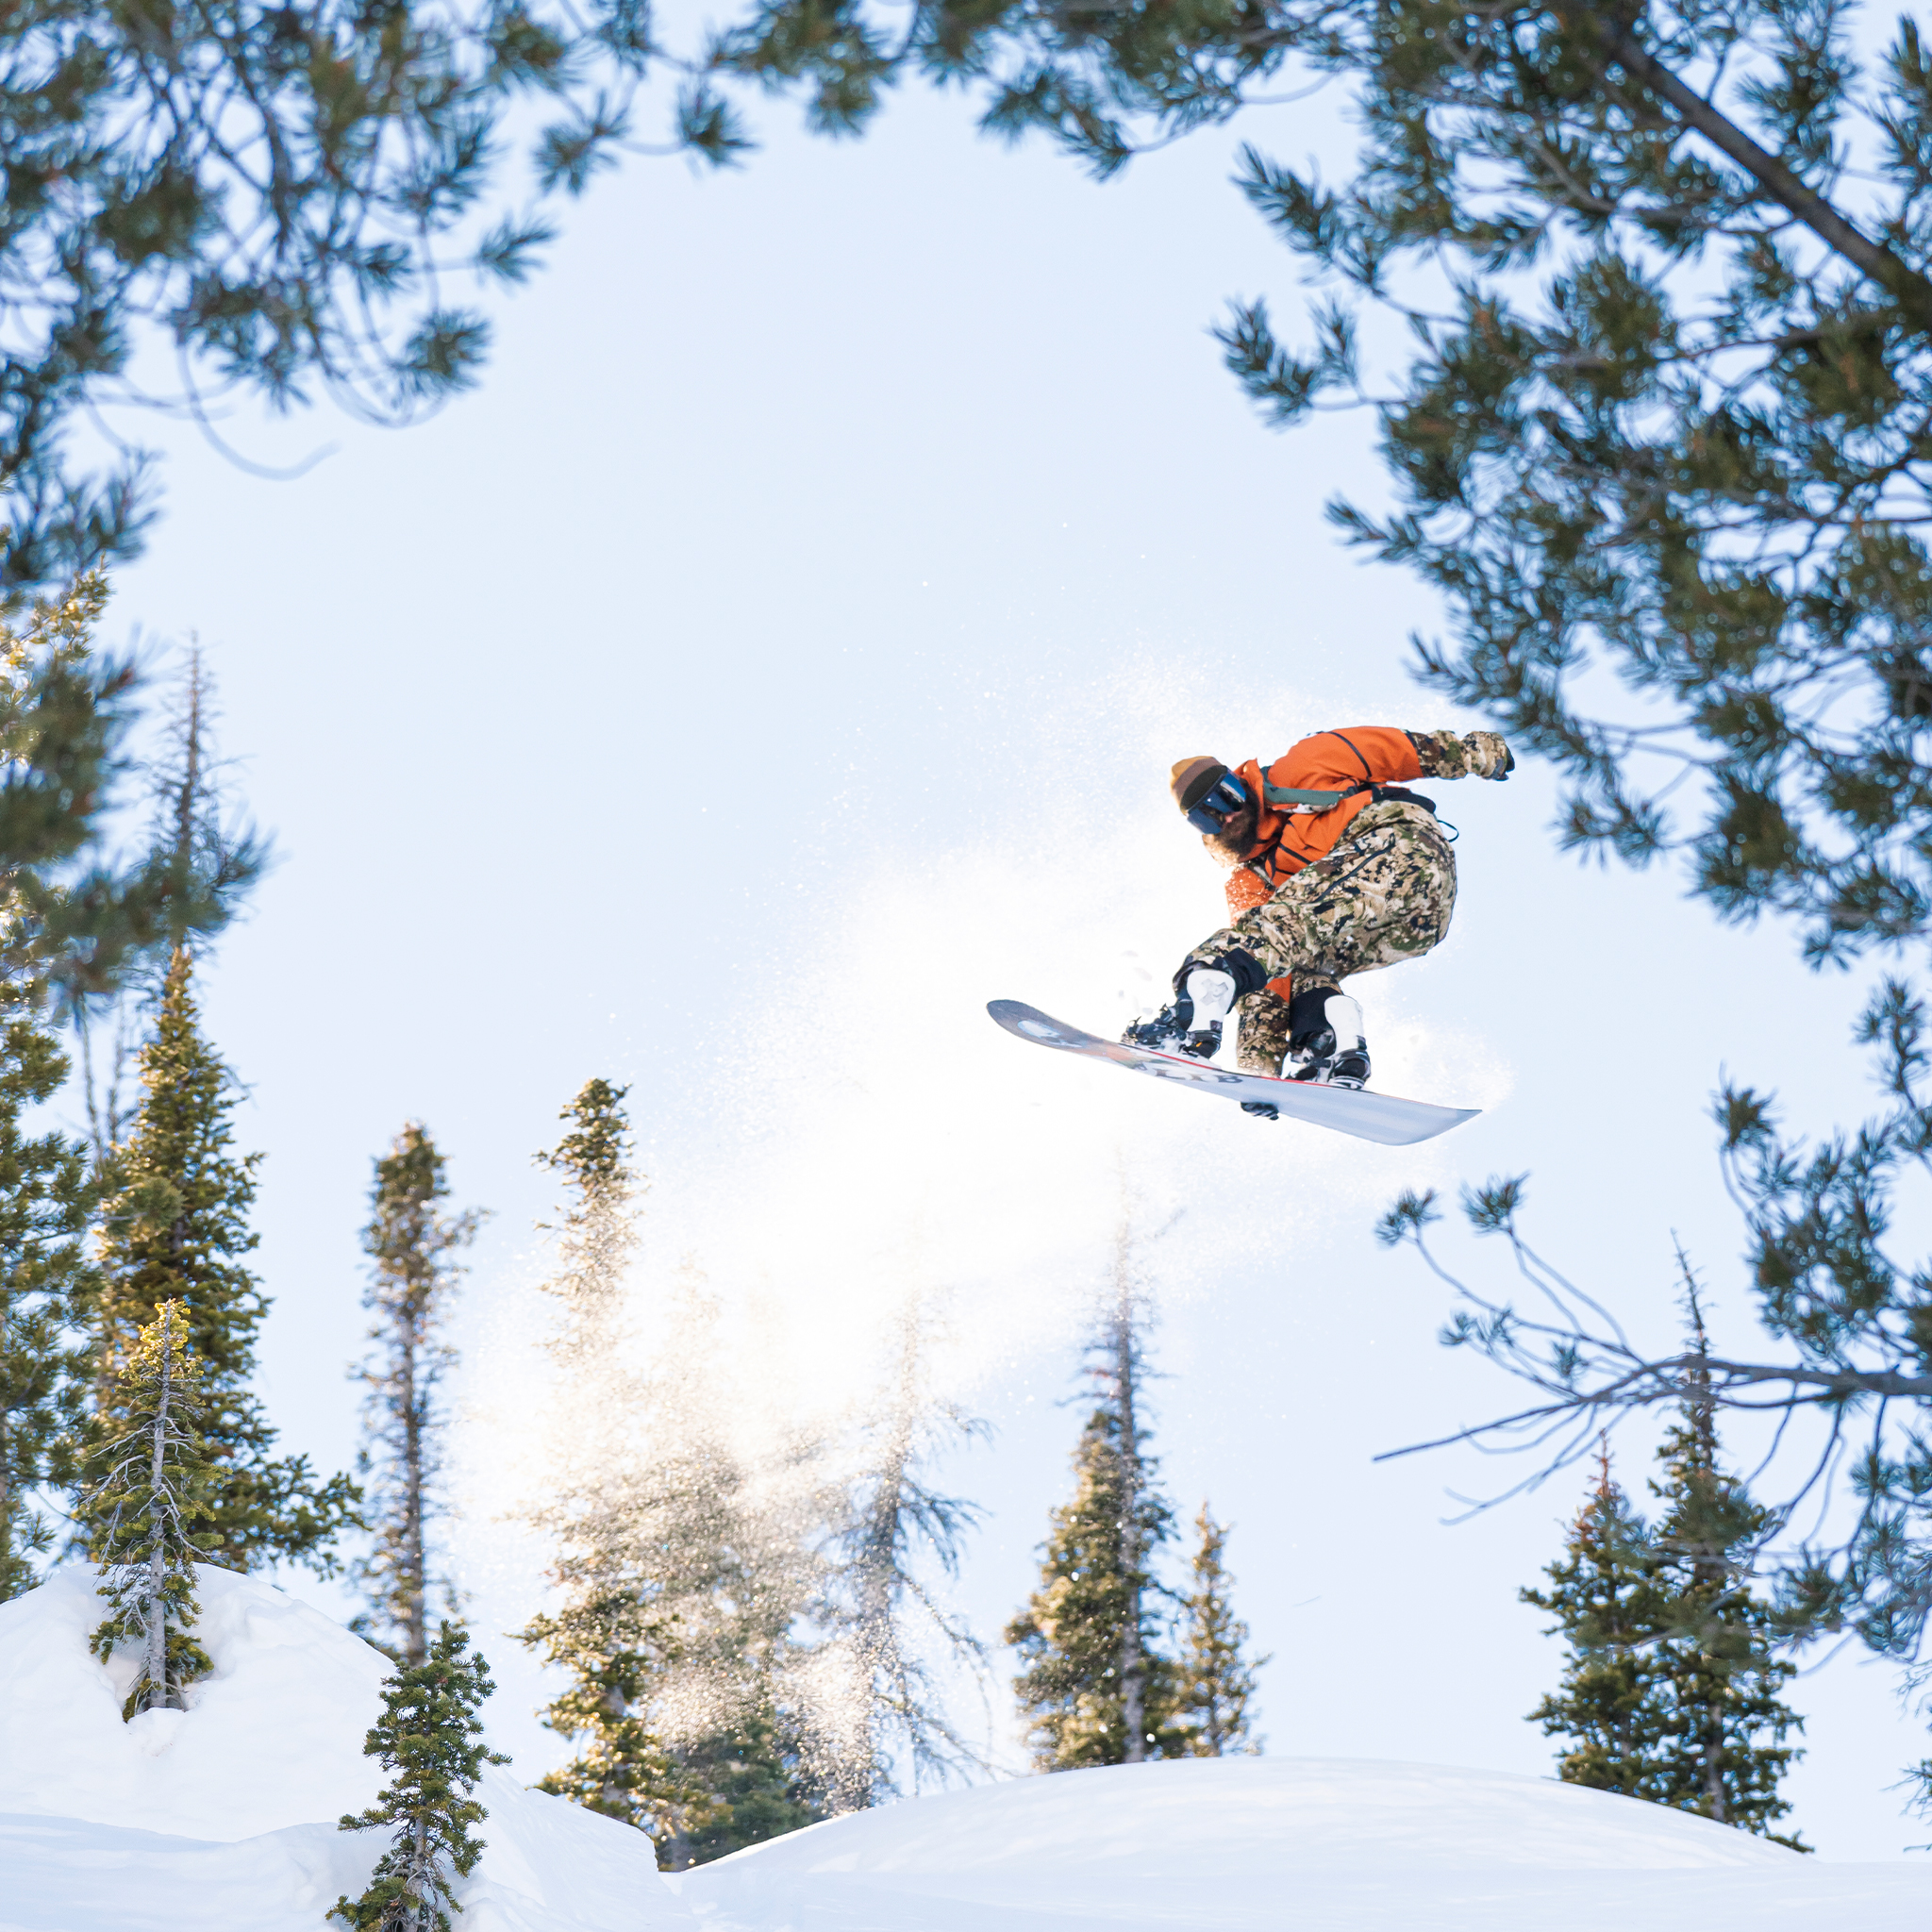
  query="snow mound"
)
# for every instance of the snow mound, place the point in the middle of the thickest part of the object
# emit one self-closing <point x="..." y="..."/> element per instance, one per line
<point x="223" y="1816"/>
<point x="1290" y="1845"/>
<point x="1267" y="1815"/>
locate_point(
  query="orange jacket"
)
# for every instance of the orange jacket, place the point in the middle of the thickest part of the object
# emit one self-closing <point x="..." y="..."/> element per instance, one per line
<point x="1292" y="834"/>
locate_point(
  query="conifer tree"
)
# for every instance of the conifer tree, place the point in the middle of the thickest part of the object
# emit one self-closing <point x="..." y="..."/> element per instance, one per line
<point x="678" y="1586"/>
<point x="1716" y="1661"/>
<point x="74" y="923"/>
<point x="206" y="851"/>
<point x="143" y="1501"/>
<point x="1605" y="1597"/>
<point x="603" y="1634"/>
<point x="46" y="1280"/>
<point x="889" y="1717"/>
<point x="685" y="1575"/>
<point x="428" y="1736"/>
<point x="1216" y="1680"/>
<point x="412" y="1244"/>
<point x="1096" y="1689"/>
<point x="1670" y="1691"/>
<point x="723" y="1549"/>
<point x="175" y="1228"/>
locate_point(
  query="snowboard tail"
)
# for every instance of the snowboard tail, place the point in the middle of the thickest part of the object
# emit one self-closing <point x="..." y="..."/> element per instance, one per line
<point x="1379" y="1116"/>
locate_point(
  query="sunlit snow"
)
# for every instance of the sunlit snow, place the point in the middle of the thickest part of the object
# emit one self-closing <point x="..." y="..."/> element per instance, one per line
<point x="222" y="1819"/>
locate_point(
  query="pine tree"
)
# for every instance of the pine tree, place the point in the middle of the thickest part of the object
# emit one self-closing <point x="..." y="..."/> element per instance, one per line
<point x="143" y="1500"/>
<point x="722" y="1549"/>
<point x="45" y="1282"/>
<point x="206" y="851"/>
<point x="73" y="924"/>
<point x="1670" y="1691"/>
<point x="175" y="1228"/>
<point x="1216" y="1680"/>
<point x="883" y="1615"/>
<point x="601" y="1635"/>
<point x="706" y="1572"/>
<point x="1096" y="1689"/>
<point x="1608" y="1605"/>
<point x="428" y="1736"/>
<point x="678" y="1583"/>
<point x="411" y="1243"/>
<point x="1726" y="1751"/>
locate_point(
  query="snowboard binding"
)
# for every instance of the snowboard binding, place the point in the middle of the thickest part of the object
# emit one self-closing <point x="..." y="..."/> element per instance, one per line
<point x="1168" y="1032"/>
<point x="1325" y="1043"/>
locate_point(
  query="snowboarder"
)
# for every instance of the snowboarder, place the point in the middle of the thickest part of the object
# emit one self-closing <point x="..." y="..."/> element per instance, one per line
<point x="1337" y="869"/>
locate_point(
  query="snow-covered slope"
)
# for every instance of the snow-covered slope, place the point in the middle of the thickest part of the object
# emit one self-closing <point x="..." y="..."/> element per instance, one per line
<point x="223" y="1818"/>
<point x="1292" y="1845"/>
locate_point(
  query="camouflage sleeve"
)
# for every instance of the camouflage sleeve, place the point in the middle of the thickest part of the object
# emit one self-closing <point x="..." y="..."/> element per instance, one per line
<point x="1461" y="755"/>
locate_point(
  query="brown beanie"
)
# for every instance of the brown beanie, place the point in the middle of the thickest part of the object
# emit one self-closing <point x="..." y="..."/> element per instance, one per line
<point x="1193" y="778"/>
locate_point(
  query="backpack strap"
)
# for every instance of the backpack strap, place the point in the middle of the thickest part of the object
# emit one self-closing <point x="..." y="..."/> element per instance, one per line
<point x="1318" y="801"/>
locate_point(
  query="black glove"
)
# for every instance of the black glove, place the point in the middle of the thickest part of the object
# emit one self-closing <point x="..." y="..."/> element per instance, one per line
<point x="1509" y="765"/>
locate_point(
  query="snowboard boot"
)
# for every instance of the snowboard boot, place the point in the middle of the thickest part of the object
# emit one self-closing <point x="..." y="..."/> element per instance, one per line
<point x="1325" y="1043"/>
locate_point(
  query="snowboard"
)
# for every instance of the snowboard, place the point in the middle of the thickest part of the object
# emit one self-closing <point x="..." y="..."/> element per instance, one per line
<point x="1368" y="1116"/>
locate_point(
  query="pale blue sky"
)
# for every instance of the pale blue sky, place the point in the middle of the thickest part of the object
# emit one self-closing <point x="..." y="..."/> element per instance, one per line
<point x="780" y="656"/>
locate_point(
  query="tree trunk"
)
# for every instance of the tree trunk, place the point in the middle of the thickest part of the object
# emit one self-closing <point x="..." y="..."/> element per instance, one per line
<point x="410" y="1608"/>
<point x="157" y="1695"/>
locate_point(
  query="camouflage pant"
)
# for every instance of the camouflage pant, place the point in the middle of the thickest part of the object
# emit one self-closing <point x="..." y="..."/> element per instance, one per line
<point x="1383" y="896"/>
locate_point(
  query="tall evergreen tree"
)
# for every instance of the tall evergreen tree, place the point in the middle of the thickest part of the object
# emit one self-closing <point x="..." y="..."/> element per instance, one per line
<point x="206" y="851"/>
<point x="1670" y="1691"/>
<point x="144" y="1498"/>
<point x="1096" y="1688"/>
<point x="1608" y="1605"/>
<point x="1216" y="1679"/>
<point x="678" y="1583"/>
<point x="427" y="1735"/>
<point x="685" y="1575"/>
<point x="175" y="1228"/>
<point x="412" y="1244"/>
<point x="722" y="1547"/>
<point x="45" y="1284"/>
<point x="71" y="922"/>
<point x="1717" y="1660"/>
<point x="888" y="1725"/>
<point x="603" y="1634"/>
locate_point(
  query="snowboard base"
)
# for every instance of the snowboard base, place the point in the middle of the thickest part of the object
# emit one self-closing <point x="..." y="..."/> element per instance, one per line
<point x="1383" y="1117"/>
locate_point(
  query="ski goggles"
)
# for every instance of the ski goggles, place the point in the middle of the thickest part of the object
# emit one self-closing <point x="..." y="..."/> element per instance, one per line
<point x="1217" y="804"/>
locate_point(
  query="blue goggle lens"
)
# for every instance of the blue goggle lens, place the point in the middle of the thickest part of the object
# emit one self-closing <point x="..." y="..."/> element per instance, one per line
<point x="1211" y="812"/>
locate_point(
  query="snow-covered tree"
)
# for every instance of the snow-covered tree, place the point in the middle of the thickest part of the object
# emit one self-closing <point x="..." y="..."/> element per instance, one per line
<point x="884" y="1725"/>
<point x="412" y="1244"/>
<point x="1096" y="1688"/>
<point x="144" y="1495"/>
<point x="175" y="1228"/>
<point x="46" y="1204"/>
<point x="1216" y="1679"/>
<point x="427" y="1735"/>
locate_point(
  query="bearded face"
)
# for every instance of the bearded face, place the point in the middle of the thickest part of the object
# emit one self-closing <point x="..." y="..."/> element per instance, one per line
<point x="1229" y="845"/>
